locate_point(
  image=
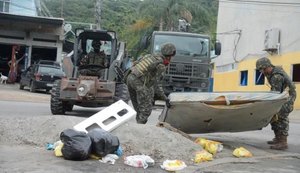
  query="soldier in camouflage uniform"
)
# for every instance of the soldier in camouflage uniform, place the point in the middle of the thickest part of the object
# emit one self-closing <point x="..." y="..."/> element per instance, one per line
<point x="279" y="81"/>
<point x="95" y="57"/>
<point x="142" y="81"/>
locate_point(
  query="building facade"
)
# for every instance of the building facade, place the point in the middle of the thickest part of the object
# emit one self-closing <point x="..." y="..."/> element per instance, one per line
<point x="249" y="30"/>
<point x="25" y="37"/>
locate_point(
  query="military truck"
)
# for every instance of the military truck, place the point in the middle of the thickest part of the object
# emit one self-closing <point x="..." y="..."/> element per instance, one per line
<point x="91" y="91"/>
<point x="190" y="69"/>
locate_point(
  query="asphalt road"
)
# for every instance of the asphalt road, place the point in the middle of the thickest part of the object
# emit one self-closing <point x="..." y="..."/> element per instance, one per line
<point x="265" y="160"/>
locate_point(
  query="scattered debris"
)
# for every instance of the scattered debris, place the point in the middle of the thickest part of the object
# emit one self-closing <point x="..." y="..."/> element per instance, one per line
<point x="135" y="139"/>
<point x="211" y="146"/>
<point x="103" y="142"/>
<point x="203" y="156"/>
<point x="109" y="118"/>
<point x="109" y="158"/>
<point x="77" y="145"/>
<point x="58" y="146"/>
<point x="173" y="165"/>
<point x="242" y="152"/>
<point x="139" y="161"/>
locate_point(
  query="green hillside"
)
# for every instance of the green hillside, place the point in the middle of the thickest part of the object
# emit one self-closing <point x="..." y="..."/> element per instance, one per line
<point x="132" y="19"/>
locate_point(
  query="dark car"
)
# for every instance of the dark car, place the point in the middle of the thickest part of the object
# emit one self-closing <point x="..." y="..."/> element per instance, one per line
<point x="41" y="76"/>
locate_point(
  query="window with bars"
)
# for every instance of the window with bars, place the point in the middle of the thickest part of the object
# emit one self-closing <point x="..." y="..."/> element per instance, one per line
<point x="244" y="78"/>
<point x="259" y="78"/>
<point x="4" y="5"/>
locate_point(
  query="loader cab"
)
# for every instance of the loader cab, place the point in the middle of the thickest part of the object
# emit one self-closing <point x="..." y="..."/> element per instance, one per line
<point x="83" y="45"/>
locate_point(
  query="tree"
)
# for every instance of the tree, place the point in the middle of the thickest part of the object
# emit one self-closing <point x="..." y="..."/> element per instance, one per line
<point x="134" y="19"/>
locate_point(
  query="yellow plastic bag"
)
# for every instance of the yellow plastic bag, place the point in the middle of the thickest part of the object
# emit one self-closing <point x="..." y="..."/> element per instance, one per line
<point x="203" y="156"/>
<point x="201" y="141"/>
<point x="211" y="146"/>
<point x="57" y="150"/>
<point x="242" y="152"/>
<point x="95" y="157"/>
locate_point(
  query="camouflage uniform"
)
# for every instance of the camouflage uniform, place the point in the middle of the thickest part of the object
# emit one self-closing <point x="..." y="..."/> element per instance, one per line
<point x="93" y="58"/>
<point x="142" y="80"/>
<point x="279" y="81"/>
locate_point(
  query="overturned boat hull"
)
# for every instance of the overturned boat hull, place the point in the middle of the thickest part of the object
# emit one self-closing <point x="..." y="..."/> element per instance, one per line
<point x="222" y="111"/>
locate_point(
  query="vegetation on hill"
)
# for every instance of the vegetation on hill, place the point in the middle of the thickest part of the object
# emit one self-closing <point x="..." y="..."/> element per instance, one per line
<point x="134" y="19"/>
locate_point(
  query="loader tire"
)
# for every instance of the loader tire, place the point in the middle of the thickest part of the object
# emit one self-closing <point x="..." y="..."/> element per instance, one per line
<point x="56" y="105"/>
<point x="122" y="92"/>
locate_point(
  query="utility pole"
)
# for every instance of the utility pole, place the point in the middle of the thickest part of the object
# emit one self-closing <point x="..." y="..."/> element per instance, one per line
<point x="62" y="9"/>
<point x="98" y="5"/>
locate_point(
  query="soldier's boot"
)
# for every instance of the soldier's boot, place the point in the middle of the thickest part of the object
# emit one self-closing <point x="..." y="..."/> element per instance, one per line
<point x="141" y="120"/>
<point x="282" y="144"/>
<point x="275" y="140"/>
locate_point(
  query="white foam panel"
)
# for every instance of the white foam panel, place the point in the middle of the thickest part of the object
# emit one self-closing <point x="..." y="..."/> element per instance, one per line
<point x="109" y="118"/>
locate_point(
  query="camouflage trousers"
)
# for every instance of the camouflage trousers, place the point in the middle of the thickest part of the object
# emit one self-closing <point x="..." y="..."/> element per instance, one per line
<point x="281" y="125"/>
<point x="141" y="97"/>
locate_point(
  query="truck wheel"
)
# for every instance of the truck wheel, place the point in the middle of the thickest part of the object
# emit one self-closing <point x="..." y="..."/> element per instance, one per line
<point x="32" y="87"/>
<point x="122" y="92"/>
<point x="57" y="106"/>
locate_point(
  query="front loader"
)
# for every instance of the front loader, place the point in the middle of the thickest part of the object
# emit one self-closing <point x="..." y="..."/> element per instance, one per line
<point x="92" y="91"/>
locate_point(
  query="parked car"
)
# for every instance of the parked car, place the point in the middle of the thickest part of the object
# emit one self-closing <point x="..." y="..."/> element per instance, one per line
<point x="48" y="62"/>
<point x="41" y="76"/>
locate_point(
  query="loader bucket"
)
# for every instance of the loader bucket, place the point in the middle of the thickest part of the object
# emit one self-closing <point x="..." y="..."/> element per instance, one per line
<point x="221" y="111"/>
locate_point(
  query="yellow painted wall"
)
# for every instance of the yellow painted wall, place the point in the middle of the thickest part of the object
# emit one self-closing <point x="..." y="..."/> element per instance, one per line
<point x="230" y="81"/>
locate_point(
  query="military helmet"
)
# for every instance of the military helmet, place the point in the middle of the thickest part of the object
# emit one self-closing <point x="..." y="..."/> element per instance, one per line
<point x="263" y="63"/>
<point x="96" y="43"/>
<point x="168" y="49"/>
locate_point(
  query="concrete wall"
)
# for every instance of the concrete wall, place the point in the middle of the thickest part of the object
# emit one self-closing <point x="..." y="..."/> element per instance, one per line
<point x="241" y="30"/>
<point x="252" y="19"/>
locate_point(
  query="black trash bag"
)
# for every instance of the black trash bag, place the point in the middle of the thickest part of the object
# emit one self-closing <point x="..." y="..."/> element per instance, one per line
<point x="77" y="145"/>
<point x="103" y="142"/>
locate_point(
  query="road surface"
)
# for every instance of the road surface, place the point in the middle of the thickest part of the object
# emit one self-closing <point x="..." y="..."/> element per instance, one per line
<point x="17" y="103"/>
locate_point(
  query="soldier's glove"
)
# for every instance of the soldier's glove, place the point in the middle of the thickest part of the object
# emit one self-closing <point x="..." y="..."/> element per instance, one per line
<point x="168" y="104"/>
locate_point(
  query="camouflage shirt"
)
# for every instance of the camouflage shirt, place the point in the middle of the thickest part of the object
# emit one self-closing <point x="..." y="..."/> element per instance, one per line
<point x="150" y="69"/>
<point x="280" y="81"/>
<point x="94" y="58"/>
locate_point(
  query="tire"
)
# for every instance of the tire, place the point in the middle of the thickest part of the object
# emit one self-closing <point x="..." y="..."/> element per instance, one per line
<point x="122" y="92"/>
<point x="56" y="105"/>
<point x="32" y="87"/>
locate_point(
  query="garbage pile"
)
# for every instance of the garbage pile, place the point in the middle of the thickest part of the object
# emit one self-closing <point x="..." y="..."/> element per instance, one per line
<point x="103" y="146"/>
<point x="137" y="145"/>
